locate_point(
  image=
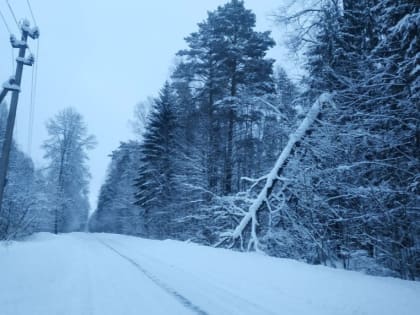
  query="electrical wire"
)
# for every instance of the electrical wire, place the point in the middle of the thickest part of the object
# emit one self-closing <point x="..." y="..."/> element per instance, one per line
<point x="5" y="22"/>
<point x="32" y="12"/>
<point x="13" y="13"/>
<point x="34" y="76"/>
<point x="31" y="114"/>
<point x="13" y="60"/>
<point x="34" y="84"/>
<point x="10" y="33"/>
<point x="33" y="20"/>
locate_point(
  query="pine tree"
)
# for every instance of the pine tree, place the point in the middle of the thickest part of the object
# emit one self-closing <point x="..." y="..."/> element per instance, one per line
<point x="228" y="57"/>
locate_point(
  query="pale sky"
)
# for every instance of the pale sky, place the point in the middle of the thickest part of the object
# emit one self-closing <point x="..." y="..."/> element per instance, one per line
<point x="102" y="57"/>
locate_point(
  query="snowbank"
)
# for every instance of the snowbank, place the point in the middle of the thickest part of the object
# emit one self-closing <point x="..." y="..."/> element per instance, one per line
<point x="113" y="274"/>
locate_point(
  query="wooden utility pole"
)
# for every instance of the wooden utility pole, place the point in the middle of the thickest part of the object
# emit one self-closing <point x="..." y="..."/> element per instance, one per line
<point x="13" y="85"/>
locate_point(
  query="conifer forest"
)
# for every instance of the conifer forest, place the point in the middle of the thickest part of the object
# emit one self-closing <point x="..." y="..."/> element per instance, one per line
<point x="234" y="152"/>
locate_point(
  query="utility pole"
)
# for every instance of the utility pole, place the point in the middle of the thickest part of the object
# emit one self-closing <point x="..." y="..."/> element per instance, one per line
<point x="13" y="85"/>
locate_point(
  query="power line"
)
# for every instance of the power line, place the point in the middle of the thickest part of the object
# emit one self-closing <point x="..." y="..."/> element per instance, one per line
<point x="32" y="12"/>
<point x="13" y="13"/>
<point x="10" y="33"/>
<point x="26" y="32"/>
<point x="5" y="22"/>
<point x="34" y="84"/>
<point x="34" y="79"/>
<point x="31" y="112"/>
<point x="13" y="60"/>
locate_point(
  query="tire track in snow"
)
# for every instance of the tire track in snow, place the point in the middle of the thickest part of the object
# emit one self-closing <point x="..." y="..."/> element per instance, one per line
<point x="222" y="299"/>
<point x="180" y="298"/>
<point x="227" y="294"/>
<point x="88" y="282"/>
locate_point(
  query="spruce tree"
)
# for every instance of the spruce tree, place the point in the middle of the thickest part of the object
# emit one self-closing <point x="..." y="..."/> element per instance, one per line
<point x="395" y="98"/>
<point x="155" y="182"/>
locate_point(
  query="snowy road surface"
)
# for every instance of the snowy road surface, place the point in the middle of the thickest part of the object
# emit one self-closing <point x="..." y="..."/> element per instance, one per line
<point x="101" y="274"/>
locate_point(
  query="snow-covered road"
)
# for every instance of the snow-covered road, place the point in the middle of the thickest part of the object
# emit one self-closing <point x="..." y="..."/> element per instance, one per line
<point x="101" y="274"/>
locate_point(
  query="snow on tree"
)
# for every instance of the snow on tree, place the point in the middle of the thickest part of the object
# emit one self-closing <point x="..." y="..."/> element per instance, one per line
<point x="225" y="58"/>
<point x="349" y="194"/>
<point x="68" y="175"/>
<point x="155" y="179"/>
<point x="356" y="202"/>
<point x="275" y="174"/>
<point x="116" y="212"/>
<point x="21" y="213"/>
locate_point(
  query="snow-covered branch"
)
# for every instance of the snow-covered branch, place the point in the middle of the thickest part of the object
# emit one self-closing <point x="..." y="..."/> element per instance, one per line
<point x="272" y="177"/>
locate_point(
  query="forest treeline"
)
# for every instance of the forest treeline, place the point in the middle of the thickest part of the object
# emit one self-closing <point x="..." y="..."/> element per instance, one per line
<point x="348" y="195"/>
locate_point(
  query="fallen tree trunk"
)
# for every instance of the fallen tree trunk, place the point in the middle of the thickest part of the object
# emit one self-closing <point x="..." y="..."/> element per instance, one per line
<point x="275" y="173"/>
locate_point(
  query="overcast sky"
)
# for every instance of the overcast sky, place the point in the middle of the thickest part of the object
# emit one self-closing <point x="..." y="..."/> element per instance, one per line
<point x="102" y="57"/>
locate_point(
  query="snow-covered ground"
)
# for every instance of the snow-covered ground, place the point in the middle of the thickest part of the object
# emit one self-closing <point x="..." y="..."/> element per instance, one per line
<point x="100" y="274"/>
